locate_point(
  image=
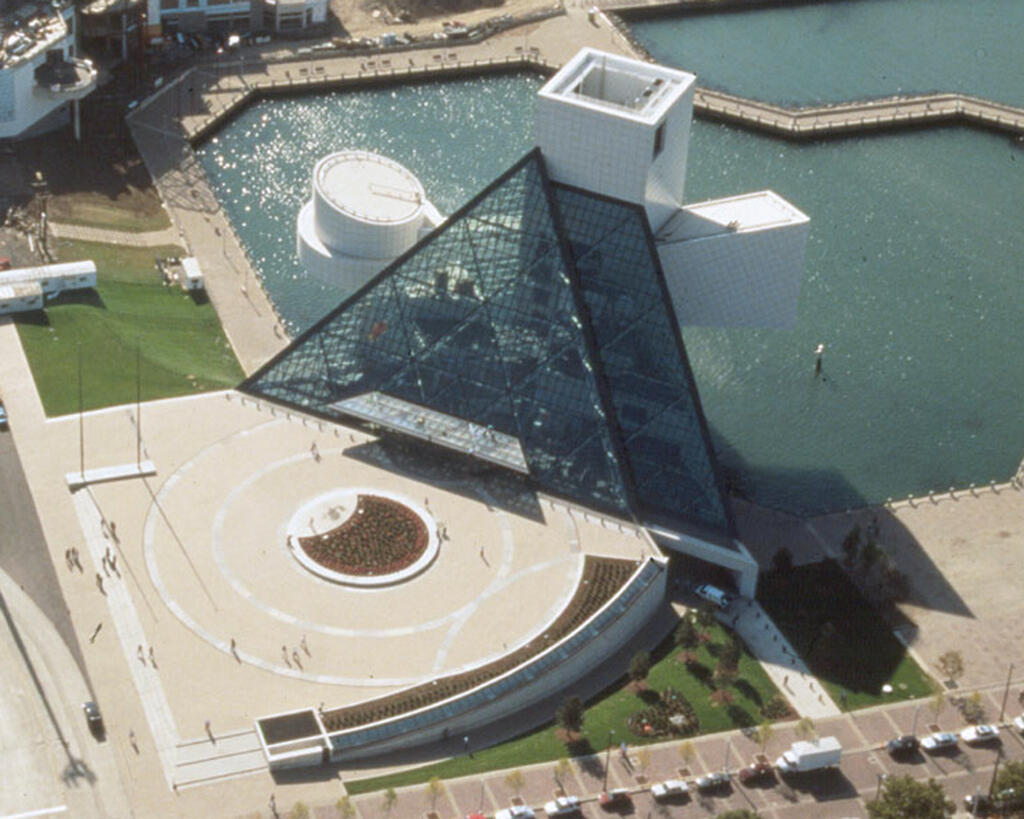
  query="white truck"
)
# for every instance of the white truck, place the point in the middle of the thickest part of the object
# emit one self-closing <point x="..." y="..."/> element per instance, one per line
<point x="803" y="757"/>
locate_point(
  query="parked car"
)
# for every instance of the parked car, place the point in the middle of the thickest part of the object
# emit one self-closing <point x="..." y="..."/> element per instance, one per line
<point x="3" y="416"/>
<point x="977" y="734"/>
<point x="562" y="806"/>
<point x="715" y="595"/>
<point x="712" y="781"/>
<point x="755" y="770"/>
<point x="515" y="812"/>
<point x="93" y="718"/>
<point x="669" y="788"/>
<point x="614" y="798"/>
<point x="938" y="741"/>
<point x="902" y="745"/>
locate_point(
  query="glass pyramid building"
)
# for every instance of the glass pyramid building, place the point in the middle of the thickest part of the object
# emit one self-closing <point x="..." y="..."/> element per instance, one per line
<point x="533" y="329"/>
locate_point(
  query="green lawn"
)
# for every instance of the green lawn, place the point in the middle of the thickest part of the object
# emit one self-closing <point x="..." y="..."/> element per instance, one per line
<point x="841" y="636"/>
<point x="182" y="347"/>
<point x="610" y="711"/>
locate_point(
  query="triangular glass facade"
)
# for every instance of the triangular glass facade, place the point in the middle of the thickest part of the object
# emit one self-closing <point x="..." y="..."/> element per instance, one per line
<point x="539" y="312"/>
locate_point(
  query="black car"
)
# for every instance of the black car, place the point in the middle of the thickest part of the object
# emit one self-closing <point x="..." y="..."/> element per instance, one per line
<point x="93" y="718"/>
<point x="902" y="746"/>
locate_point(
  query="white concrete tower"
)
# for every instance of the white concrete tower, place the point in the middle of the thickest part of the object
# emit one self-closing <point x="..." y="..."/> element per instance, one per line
<point x="619" y="127"/>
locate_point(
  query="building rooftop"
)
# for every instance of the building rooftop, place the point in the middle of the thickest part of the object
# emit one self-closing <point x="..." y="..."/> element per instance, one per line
<point x="618" y="85"/>
<point x="734" y="214"/>
<point x="369" y="187"/>
<point x="29" y="27"/>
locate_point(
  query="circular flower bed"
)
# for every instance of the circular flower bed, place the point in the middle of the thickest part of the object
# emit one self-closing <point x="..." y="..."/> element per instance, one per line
<point x="382" y="536"/>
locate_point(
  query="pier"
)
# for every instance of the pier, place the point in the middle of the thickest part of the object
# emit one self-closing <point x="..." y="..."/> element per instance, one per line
<point x="857" y="117"/>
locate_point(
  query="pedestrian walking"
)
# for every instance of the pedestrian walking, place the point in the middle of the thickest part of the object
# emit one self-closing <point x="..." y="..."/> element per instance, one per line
<point x="106" y="567"/>
<point x="273" y="804"/>
<point x="74" y="557"/>
<point x="95" y="631"/>
<point x="141" y="654"/>
<point x="113" y="565"/>
<point x="113" y="531"/>
<point x="67" y="559"/>
<point x="295" y="658"/>
<point x="284" y="653"/>
<point x="305" y="646"/>
<point x="99" y="583"/>
<point x="152" y="659"/>
<point x="132" y="742"/>
<point x="233" y="646"/>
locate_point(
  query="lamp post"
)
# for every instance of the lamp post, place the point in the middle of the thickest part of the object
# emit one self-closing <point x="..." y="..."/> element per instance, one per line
<point x="913" y="726"/>
<point x="607" y="757"/>
<point x="1006" y="693"/>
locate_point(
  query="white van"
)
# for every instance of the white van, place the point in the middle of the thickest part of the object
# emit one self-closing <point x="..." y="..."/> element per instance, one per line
<point x="714" y="595"/>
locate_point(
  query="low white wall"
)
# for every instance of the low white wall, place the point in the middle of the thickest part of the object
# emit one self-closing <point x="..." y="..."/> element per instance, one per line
<point x="504" y="703"/>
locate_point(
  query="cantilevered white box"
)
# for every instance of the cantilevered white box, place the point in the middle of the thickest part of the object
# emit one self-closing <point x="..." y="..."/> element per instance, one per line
<point x="735" y="262"/>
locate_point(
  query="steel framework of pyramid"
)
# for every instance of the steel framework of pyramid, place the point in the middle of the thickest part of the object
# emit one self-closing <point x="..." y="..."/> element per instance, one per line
<point x="533" y="329"/>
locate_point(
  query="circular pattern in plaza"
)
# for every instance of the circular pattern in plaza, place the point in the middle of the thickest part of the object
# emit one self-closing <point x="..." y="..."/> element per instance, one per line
<point x="363" y="537"/>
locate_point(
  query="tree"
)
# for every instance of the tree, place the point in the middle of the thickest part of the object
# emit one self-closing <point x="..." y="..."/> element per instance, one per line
<point x="704" y="616"/>
<point x="951" y="664"/>
<point x="805" y="728"/>
<point x="895" y="584"/>
<point x="739" y="813"/>
<point x="686" y="633"/>
<point x="903" y="797"/>
<point x="562" y="769"/>
<point x="640" y="666"/>
<point x="731" y="653"/>
<point x="687" y="752"/>
<point x="782" y="561"/>
<point x="345" y="808"/>
<point x="724" y="675"/>
<point x="299" y="811"/>
<point x="936" y="704"/>
<point x="515" y="781"/>
<point x="973" y="708"/>
<point x="570" y="715"/>
<point x="1011" y="775"/>
<point x="435" y="787"/>
<point x="869" y="555"/>
<point x="763" y="733"/>
<point x="851" y="544"/>
<point x="390" y="797"/>
<point x="776" y="708"/>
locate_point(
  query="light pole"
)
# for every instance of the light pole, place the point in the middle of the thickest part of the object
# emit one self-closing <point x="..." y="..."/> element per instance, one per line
<point x="913" y="726"/>
<point x="608" y="757"/>
<point x="1006" y="693"/>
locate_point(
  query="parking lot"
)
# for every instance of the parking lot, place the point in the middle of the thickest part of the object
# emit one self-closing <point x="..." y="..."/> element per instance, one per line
<point x="834" y="793"/>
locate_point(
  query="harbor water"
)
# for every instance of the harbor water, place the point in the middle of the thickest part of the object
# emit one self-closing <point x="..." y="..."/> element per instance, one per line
<point x="912" y="278"/>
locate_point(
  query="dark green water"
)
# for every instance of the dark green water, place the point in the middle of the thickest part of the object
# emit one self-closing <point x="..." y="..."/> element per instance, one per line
<point x="913" y="278"/>
<point x="849" y="49"/>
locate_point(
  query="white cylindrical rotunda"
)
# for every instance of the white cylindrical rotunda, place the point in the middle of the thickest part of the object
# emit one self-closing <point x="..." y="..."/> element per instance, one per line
<point x="365" y="211"/>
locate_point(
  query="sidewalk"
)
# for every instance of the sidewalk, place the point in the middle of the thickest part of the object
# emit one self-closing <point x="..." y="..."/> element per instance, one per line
<point x="81" y="233"/>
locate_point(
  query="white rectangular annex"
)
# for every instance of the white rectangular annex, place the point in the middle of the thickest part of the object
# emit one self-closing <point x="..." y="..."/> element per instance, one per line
<point x="735" y="262"/>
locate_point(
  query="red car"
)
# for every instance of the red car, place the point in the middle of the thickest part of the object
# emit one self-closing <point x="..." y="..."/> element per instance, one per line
<point x="754" y="771"/>
<point x="614" y="798"/>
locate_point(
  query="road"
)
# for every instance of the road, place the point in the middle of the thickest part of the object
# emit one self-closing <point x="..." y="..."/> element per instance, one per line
<point x="51" y="764"/>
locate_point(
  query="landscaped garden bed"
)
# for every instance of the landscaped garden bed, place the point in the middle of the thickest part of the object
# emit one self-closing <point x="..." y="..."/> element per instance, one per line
<point x="382" y="536"/>
<point x="674" y="674"/>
